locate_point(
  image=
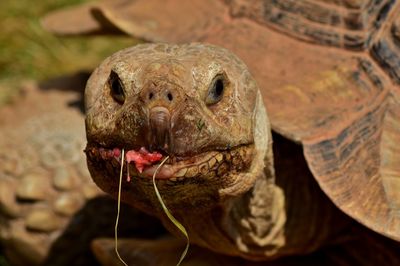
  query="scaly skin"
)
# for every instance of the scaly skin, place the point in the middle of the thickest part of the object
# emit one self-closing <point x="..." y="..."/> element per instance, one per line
<point x="220" y="180"/>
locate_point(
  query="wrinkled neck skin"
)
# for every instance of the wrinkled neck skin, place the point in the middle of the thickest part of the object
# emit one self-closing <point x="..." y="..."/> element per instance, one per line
<point x="254" y="224"/>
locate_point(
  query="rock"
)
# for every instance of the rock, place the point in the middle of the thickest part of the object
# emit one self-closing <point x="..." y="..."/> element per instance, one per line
<point x="63" y="180"/>
<point x="8" y="204"/>
<point x="34" y="186"/>
<point x="50" y="157"/>
<point x="91" y="190"/>
<point x="43" y="220"/>
<point x="82" y="169"/>
<point x="23" y="249"/>
<point x="10" y="163"/>
<point x="68" y="203"/>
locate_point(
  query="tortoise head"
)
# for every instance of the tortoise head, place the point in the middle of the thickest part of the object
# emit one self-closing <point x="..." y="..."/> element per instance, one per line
<point x="197" y="104"/>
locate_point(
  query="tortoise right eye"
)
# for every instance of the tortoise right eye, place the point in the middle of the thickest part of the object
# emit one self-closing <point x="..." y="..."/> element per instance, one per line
<point x="216" y="90"/>
<point x="116" y="88"/>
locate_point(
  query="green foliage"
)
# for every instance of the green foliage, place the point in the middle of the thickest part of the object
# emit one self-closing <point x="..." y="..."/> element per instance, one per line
<point x="170" y="216"/>
<point x="3" y="261"/>
<point x="29" y="52"/>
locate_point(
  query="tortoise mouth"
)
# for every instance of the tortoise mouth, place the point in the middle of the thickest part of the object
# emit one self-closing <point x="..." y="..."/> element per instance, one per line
<point x="207" y="165"/>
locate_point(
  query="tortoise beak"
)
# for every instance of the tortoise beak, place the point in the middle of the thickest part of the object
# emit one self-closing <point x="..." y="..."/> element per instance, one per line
<point x="159" y="135"/>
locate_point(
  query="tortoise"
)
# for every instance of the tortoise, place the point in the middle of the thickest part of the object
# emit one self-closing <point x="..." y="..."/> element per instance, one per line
<point x="328" y="72"/>
<point x="199" y="105"/>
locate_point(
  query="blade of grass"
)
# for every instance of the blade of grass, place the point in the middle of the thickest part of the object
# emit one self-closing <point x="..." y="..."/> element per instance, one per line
<point x="119" y="207"/>
<point x="169" y="215"/>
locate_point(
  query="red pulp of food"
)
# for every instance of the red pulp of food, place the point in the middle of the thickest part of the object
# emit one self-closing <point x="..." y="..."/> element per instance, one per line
<point x="142" y="158"/>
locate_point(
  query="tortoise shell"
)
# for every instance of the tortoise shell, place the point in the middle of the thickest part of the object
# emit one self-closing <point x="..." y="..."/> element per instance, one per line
<point x="329" y="71"/>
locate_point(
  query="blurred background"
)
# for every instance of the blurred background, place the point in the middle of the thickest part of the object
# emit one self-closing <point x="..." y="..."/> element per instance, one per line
<point x="28" y="53"/>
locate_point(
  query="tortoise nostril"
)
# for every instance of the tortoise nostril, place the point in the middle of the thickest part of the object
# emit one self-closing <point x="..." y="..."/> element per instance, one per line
<point x="170" y="97"/>
<point x="159" y="93"/>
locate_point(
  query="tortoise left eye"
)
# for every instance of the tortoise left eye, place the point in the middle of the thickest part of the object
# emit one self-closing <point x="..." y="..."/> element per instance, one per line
<point x="116" y="88"/>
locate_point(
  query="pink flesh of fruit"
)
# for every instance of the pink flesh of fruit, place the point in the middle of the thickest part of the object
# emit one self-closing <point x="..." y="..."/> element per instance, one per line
<point x="142" y="158"/>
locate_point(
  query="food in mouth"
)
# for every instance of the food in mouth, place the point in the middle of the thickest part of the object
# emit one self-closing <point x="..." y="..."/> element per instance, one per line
<point x="141" y="158"/>
<point x="209" y="164"/>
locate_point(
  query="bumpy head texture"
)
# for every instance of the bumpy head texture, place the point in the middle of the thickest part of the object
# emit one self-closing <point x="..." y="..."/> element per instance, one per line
<point x="196" y="103"/>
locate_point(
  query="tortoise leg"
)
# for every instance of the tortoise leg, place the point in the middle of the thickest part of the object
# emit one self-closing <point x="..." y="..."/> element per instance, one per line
<point x="365" y="248"/>
<point x="163" y="251"/>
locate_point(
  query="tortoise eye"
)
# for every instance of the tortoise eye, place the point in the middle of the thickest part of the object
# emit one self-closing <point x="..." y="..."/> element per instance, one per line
<point x="116" y="88"/>
<point x="216" y="90"/>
